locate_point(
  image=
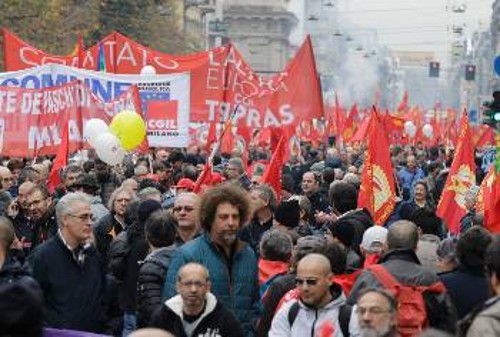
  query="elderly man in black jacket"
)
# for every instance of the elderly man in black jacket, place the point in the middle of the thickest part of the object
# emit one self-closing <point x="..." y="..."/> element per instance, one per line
<point x="402" y="263"/>
<point x="69" y="270"/>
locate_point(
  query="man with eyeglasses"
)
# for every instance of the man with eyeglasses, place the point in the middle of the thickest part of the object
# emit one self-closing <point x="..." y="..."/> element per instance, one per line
<point x="321" y="304"/>
<point x="377" y="313"/>
<point x="41" y="213"/>
<point x="186" y="212"/>
<point x="195" y="311"/>
<point x="69" y="270"/>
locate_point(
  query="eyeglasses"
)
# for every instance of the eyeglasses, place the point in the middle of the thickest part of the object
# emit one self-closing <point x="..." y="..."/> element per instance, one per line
<point x="82" y="217"/>
<point x="7" y="179"/>
<point x="34" y="203"/>
<point x="180" y="208"/>
<point x="308" y="281"/>
<point x="190" y="284"/>
<point x="372" y="311"/>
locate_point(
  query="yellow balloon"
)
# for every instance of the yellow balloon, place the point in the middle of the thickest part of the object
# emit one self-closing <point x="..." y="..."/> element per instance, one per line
<point x="130" y="129"/>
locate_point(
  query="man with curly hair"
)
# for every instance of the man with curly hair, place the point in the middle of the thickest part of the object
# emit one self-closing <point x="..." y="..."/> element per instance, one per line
<point x="232" y="264"/>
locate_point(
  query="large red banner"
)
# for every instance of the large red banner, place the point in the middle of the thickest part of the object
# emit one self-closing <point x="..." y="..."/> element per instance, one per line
<point x="221" y="80"/>
<point x="31" y="120"/>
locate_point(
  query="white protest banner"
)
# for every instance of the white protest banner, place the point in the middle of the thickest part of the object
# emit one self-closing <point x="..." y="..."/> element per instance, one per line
<point x="165" y="98"/>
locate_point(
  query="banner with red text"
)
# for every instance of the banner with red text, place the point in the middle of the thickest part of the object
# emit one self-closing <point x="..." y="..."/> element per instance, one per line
<point x="164" y="98"/>
<point x="31" y="120"/>
<point x="220" y="78"/>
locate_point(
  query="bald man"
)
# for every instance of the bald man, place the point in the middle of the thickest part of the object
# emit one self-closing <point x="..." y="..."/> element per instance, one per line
<point x="195" y="311"/>
<point x="6" y="179"/>
<point x="186" y="212"/>
<point x="321" y="302"/>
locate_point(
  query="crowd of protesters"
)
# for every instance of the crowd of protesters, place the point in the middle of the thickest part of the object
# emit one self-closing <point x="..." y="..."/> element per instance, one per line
<point x="132" y="250"/>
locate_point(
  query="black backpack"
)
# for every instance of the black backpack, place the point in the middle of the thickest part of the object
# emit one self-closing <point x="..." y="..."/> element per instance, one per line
<point x="344" y="316"/>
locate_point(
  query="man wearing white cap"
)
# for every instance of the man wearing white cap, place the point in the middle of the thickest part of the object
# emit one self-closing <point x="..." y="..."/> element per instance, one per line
<point x="372" y="245"/>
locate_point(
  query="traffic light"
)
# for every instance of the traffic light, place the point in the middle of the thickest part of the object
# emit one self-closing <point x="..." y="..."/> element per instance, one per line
<point x="433" y="69"/>
<point x="491" y="113"/>
<point x="470" y="72"/>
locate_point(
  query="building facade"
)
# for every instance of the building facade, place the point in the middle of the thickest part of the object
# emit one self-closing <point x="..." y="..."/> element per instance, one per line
<point x="261" y="31"/>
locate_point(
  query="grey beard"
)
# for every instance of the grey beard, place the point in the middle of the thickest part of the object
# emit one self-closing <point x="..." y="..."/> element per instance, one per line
<point x="229" y="238"/>
<point x="371" y="332"/>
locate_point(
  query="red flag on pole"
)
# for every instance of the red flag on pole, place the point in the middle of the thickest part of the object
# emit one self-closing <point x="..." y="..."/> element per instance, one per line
<point x="205" y="178"/>
<point x="272" y="174"/>
<point x="349" y="127"/>
<point x="461" y="177"/>
<point x="212" y="136"/>
<point x="378" y="191"/>
<point x="60" y="161"/>
<point x="403" y="105"/>
<point x="488" y="201"/>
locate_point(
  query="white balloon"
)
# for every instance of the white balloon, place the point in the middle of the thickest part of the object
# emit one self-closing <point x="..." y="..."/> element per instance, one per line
<point x="148" y="70"/>
<point x="410" y="129"/>
<point x="108" y="149"/>
<point x="427" y="130"/>
<point x="93" y="129"/>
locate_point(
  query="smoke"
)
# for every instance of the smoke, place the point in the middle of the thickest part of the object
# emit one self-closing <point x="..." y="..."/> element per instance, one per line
<point x="357" y="80"/>
<point x="297" y="34"/>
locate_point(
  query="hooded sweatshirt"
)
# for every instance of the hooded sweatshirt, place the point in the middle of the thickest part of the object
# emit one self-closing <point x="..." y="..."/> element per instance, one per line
<point x="215" y="320"/>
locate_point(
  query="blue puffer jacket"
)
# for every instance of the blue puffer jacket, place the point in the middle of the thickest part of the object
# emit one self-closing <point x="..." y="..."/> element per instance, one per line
<point x="234" y="283"/>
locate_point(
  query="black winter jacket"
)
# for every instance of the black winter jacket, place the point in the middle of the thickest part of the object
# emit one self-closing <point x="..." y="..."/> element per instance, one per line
<point x="215" y="320"/>
<point x="125" y="252"/>
<point x="12" y="271"/>
<point x="73" y="292"/>
<point x="361" y="220"/>
<point x="150" y="283"/>
<point x="102" y="234"/>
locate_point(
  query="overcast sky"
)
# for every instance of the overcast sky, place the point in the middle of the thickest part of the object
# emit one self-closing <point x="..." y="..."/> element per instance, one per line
<point x="413" y="25"/>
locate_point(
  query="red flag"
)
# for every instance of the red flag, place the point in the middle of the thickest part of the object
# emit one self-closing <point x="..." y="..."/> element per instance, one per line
<point x="362" y="131"/>
<point x="378" y="191"/>
<point x="272" y="174"/>
<point x="484" y="135"/>
<point x="227" y="141"/>
<point x="461" y="177"/>
<point x="403" y="105"/>
<point x="211" y="137"/>
<point x="349" y="127"/>
<point x="339" y="116"/>
<point x="488" y="200"/>
<point x="205" y="178"/>
<point x="60" y="161"/>
<point x="243" y="140"/>
<point x="492" y="206"/>
<point x="299" y="74"/>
